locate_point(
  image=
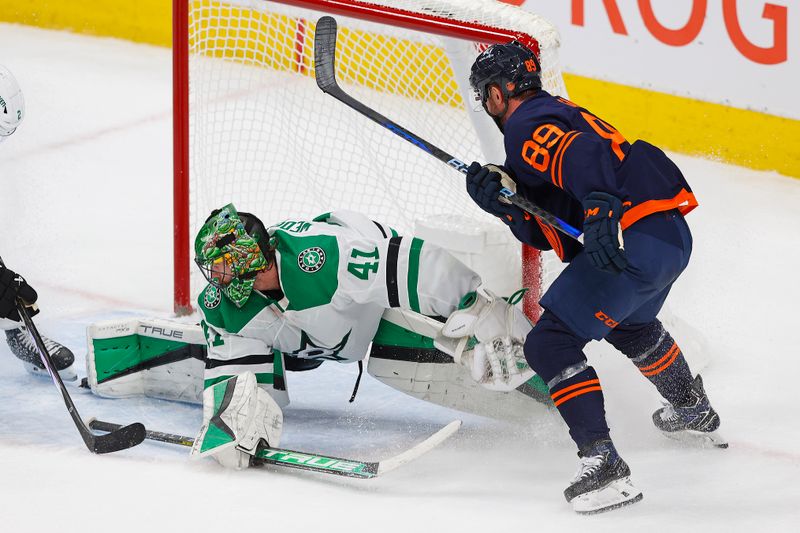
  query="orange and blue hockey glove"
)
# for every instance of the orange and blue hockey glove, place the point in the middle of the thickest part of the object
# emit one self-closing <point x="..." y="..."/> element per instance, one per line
<point x="602" y="238"/>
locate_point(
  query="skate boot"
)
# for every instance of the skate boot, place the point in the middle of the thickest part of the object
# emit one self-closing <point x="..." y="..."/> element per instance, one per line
<point x="695" y="422"/>
<point x="23" y="347"/>
<point x="602" y="482"/>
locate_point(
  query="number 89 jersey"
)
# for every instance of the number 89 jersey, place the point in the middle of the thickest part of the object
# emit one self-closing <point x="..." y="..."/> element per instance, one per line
<point x="338" y="273"/>
<point x="559" y="152"/>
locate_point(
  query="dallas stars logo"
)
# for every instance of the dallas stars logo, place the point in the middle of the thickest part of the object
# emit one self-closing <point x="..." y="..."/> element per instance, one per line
<point x="311" y="259"/>
<point x="309" y="350"/>
<point x="212" y="297"/>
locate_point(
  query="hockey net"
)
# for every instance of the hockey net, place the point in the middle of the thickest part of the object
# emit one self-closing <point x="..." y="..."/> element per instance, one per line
<point x="252" y="128"/>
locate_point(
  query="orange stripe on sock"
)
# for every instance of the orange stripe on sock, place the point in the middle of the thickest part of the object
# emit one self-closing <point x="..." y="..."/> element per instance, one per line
<point x="575" y="386"/>
<point x="663" y="363"/>
<point x="577" y="393"/>
<point x="657" y="363"/>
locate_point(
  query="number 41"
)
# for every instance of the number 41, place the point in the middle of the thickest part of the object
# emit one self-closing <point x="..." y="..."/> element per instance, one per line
<point x="362" y="270"/>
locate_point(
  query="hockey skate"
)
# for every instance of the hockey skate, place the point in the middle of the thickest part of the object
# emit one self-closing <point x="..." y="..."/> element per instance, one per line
<point x="23" y="347"/>
<point x="602" y="482"/>
<point x="694" y="423"/>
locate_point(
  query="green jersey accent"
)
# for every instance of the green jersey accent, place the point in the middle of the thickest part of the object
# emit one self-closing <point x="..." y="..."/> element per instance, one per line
<point x="413" y="274"/>
<point x="225" y="315"/>
<point x="309" y="269"/>
<point x="390" y="334"/>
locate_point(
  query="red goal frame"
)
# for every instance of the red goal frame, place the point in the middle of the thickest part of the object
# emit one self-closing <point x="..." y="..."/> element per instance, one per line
<point x="430" y="23"/>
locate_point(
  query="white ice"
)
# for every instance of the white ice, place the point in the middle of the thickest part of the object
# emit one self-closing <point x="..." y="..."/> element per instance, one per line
<point x="85" y="201"/>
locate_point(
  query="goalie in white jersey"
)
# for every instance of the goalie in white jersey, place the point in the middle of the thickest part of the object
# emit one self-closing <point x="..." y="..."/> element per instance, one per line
<point x="302" y="292"/>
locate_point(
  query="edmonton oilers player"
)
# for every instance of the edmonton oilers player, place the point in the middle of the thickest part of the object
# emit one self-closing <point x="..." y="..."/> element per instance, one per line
<point x="581" y="169"/>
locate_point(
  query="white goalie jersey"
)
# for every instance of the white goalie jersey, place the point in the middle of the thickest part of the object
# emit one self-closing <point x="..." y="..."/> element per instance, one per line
<point x="338" y="273"/>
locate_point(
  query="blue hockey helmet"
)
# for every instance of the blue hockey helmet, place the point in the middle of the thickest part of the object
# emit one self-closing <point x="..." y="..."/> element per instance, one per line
<point x="513" y="67"/>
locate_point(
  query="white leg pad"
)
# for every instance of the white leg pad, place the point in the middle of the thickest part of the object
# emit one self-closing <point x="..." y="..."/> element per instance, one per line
<point x="146" y="357"/>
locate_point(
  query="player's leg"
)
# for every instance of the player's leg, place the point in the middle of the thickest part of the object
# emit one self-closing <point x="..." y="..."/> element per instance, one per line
<point x="602" y="481"/>
<point x="583" y="304"/>
<point x="645" y="341"/>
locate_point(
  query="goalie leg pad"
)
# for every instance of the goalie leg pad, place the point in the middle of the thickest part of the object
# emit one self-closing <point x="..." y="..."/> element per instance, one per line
<point x="406" y="357"/>
<point x="146" y="357"/>
<point x="238" y="416"/>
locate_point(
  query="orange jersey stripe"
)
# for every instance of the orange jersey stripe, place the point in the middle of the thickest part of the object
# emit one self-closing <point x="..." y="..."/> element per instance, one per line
<point x="555" y="167"/>
<point x="575" y="386"/>
<point x="555" y="158"/>
<point x="552" y="238"/>
<point x="577" y="393"/>
<point x="684" y="202"/>
<point x="561" y="159"/>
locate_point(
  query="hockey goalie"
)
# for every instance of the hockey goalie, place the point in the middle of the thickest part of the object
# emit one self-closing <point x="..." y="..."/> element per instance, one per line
<point x="289" y="297"/>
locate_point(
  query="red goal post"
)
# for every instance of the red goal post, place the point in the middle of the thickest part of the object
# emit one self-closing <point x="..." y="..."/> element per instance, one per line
<point x="244" y="119"/>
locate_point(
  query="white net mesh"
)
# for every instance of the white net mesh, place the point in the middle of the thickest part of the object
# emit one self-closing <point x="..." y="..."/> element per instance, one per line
<point x="263" y="136"/>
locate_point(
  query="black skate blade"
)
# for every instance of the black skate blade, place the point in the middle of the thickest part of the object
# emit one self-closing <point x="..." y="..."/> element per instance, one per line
<point x="701" y="439"/>
<point x="125" y="437"/>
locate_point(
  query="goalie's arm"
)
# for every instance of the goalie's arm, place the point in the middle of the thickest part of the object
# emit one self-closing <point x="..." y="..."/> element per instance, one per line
<point x="231" y="355"/>
<point x="408" y="273"/>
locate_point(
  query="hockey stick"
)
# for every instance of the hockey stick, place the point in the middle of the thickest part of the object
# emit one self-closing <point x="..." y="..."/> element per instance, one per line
<point x="124" y="437"/>
<point x="325" y="464"/>
<point x="325" y="71"/>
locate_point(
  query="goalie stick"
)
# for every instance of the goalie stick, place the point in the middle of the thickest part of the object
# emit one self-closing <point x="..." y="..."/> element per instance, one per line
<point x="325" y="464"/>
<point x="325" y="72"/>
<point x="120" y="439"/>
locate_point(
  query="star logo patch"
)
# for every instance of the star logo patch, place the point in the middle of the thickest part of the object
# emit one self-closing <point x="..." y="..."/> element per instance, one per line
<point x="311" y="259"/>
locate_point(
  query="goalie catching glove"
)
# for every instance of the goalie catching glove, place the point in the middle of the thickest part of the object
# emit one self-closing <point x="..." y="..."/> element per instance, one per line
<point x="238" y="416"/>
<point x="496" y="330"/>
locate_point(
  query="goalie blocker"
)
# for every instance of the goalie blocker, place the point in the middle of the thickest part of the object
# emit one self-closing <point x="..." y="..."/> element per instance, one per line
<point x="165" y="359"/>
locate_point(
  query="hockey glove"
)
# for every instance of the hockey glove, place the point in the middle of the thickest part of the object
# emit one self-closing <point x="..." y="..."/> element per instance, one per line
<point x="491" y="333"/>
<point x="13" y="286"/>
<point x="483" y="186"/>
<point x="602" y="237"/>
<point x="238" y="417"/>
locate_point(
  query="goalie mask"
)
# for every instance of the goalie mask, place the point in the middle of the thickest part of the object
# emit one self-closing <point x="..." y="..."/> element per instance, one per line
<point x="12" y="104"/>
<point x="228" y="253"/>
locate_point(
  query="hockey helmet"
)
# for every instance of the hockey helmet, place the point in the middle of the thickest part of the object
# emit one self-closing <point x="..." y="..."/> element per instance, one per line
<point x="513" y="67"/>
<point x="231" y="249"/>
<point x="12" y="104"/>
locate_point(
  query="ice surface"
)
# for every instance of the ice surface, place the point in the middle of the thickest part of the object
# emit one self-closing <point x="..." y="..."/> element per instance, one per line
<point x="85" y="196"/>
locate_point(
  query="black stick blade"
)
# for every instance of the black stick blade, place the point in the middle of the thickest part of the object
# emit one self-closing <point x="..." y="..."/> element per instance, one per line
<point x="325" y="53"/>
<point x="125" y="437"/>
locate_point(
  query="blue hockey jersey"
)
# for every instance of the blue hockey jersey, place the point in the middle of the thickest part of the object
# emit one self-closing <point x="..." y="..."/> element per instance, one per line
<point x="559" y="152"/>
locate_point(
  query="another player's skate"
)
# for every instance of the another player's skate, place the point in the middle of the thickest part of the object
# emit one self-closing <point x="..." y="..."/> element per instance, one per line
<point x="696" y="422"/>
<point x="23" y="347"/>
<point x="602" y="482"/>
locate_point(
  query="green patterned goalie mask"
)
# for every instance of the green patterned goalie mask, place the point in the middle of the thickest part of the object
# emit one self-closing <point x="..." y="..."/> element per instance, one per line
<point x="228" y="257"/>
